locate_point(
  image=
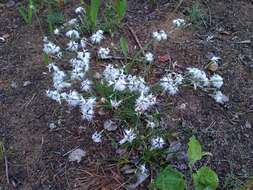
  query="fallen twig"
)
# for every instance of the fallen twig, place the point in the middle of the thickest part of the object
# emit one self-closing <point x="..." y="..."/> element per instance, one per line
<point x="6" y="163"/>
<point x="135" y="38"/>
<point x="178" y="5"/>
<point x="119" y="58"/>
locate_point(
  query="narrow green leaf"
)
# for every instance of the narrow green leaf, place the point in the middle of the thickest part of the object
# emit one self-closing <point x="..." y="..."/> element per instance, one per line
<point x="93" y="11"/>
<point x="22" y="12"/>
<point x="194" y="151"/>
<point x="31" y="9"/>
<point x="46" y="59"/>
<point x="121" y="7"/>
<point x="124" y="46"/>
<point x="205" y="179"/>
<point x="170" y="179"/>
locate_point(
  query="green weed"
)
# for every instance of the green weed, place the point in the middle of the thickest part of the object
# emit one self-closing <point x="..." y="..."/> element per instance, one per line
<point x="27" y="13"/>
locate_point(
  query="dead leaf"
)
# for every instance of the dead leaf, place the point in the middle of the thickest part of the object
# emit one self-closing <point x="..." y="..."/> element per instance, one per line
<point x="164" y="58"/>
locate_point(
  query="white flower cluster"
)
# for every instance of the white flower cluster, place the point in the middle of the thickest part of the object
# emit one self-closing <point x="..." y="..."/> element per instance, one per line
<point x="73" y="34"/>
<point x="129" y="136"/>
<point x="80" y="65"/>
<point x="170" y="83"/>
<point x="157" y="143"/>
<point x="197" y="77"/>
<point x="79" y="10"/>
<point x="97" y="37"/>
<point x="149" y="57"/>
<point x="51" y="49"/>
<point x="160" y="35"/>
<point x="178" y="22"/>
<point x="115" y="77"/>
<point x="143" y="103"/>
<point x="96" y="137"/>
<point x="103" y="53"/>
<point x="58" y="77"/>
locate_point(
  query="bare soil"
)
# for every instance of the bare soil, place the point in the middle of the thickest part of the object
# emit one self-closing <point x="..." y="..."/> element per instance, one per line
<point x="36" y="158"/>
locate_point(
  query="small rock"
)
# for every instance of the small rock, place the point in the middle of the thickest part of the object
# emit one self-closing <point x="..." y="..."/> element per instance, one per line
<point x="27" y="83"/>
<point x="14" y="84"/>
<point x="52" y="126"/>
<point x="110" y="125"/>
<point x="248" y="125"/>
<point x="213" y="66"/>
<point x="10" y="4"/>
<point x="127" y="169"/>
<point x="77" y="155"/>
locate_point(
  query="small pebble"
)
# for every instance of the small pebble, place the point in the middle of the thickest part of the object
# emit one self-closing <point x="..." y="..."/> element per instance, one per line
<point x="27" y="83"/>
<point x="10" y="4"/>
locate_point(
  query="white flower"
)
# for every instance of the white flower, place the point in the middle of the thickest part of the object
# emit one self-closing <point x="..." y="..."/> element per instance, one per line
<point x="143" y="169"/>
<point x="110" y="125"/>
<point x="157" y="143"/>
<point x="72" y="21"/>
<point x="219" y="97"/>
<point x="87" y="108"/>
<point x="80" y="65"/>
<point x="96" y="137"/>
<point x="54" y="95"/>
<point x="151" y="124"/>
<point x="159" y="35"/>
<point x="77" y="155"/>
<point x="215" y="59"/>
<point x="58" y="77"/>
<point x="197" y="77"/>
<point x="51" y="49"/>
<point x="129" y="136"/>
<point x="137" y="84"/>
<point x="103" y="53"/>
<point x="143" y="103"/>
<point x="115" y="104"/>
<point x="83" y="42"/>
<point x="86" y="85"/>
<point x="74" y="98"/>
<point x="73" y="34"/>
<point x="111" y="74"/>
<point x="79" y="10"/>
<point x="178" y="22"/>
<point x="149" y="57"/>
<point x="52" y="126"/>
<point x="97" y="37"/>
<point x="45" y="39"/>
<point x="121" y="83"/>
<point x="72" y="46"/>
<point x="56" y="31"/>
<point x="171" y="82"/>
<point x="216" y="81"/>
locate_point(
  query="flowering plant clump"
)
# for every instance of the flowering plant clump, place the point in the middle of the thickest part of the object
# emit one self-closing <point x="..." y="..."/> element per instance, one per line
<point x="128" y="95"/>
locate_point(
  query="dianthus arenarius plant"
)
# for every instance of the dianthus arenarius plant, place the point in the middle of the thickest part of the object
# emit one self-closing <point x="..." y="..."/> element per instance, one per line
<point x="128" y="95"/>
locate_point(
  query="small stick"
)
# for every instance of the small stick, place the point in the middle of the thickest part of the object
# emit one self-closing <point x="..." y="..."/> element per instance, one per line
<point x="6" y="163"/>
<point x="135" y="37"/>
<point x="70" y="151"/>
<point x="119" y="58"/>
<point x="178" y="5"/>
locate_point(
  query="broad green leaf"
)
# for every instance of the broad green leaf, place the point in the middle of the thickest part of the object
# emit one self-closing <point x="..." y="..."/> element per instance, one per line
<point x="124" y="46"/>
<point x="169" y="179"/>
<point x="194" y="151"/>
<point x="205" y="179"/>
<point x="121" y="6"/>
<point x="93" y="9"/>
